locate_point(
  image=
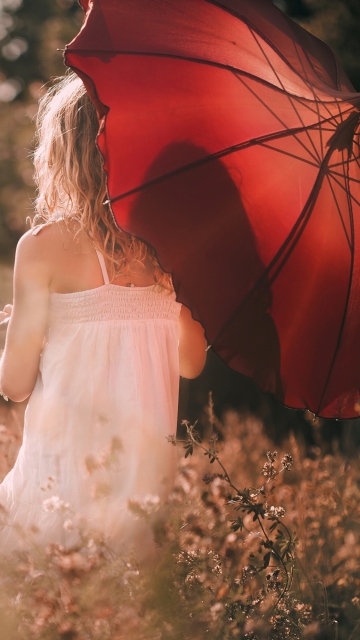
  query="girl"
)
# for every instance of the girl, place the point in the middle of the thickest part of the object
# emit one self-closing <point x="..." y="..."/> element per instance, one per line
<point x="97" y="340"/>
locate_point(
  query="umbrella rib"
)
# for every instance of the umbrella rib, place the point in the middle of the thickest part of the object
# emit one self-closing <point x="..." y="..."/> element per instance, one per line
<point x="339" y="210"/>
<point x="344" y="189"/>
<point x="337" y="347"/>
<point x="275" y="115"/>
<point x="284" y="252"/>
<point x="320" y="131"/>
<point x="330" y="130"/>
<point x="253" y="31"/>
<point x="310" y="84"/>
<point x="287" y="95"/>
<point x="210" y="63"/>
<point x="243" y="19"/>
<point x="214" y="156"/>
<point x="292" y="239"/>
<point x="341" y="164"/>
<point x="267" y="59"/>
<point x="290" y="155"/>
<point x="316" y="101"/>
<point x="337" y="173"/>
<point x="305" y="103"/>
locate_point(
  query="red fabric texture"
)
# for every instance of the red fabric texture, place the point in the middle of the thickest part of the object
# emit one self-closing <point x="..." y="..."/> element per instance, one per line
<point x="231" y="144"/>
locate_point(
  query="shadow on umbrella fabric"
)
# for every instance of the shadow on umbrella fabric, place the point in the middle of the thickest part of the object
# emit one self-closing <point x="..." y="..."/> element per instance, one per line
<point x="189" y="209"/>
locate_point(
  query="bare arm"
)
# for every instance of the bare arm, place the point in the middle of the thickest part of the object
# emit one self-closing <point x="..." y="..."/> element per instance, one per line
<point x="192" y="345"/>
<point x="28" y="322"/>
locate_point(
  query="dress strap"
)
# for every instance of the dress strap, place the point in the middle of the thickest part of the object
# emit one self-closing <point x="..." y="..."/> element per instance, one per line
<point x="38" y="228"/>
<point x="102" y="267"/>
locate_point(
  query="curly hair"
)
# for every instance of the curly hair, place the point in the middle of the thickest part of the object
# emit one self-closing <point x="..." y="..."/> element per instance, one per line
<point x="71" y="181"/>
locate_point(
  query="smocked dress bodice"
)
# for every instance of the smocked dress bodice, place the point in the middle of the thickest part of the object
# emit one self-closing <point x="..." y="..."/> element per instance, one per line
<point x="113" y="303"/>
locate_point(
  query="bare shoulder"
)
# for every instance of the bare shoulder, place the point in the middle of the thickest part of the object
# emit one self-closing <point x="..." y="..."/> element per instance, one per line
<point x="48" y="243"/>
<point x="41" y="242"/>
<point x="36" y="254"/>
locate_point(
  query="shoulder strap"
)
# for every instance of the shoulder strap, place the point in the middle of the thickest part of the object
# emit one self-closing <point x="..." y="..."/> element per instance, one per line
<point x="38" y="228"/>
<point x="102" y="267"/>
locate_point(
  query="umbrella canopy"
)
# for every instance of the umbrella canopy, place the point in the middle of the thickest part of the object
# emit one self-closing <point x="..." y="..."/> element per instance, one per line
<point x="231" y="144"/>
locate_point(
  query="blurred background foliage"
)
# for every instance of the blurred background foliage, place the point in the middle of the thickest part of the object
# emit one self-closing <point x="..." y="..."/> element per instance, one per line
<point x="31" y="35"/>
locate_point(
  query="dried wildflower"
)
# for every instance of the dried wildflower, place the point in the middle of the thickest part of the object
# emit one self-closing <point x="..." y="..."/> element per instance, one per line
<point x="74" y="562"/>
<point x="271" y="456"/>
<point x="144" y="506"/>
<point x="287" y="461"/>
<point x="69" y="525"/>
<point x="275" y="512"/>
<point x="274" y="580"/>
<point x="55" y="504"/>
<point x="216" y="609"/>
<point x="268" y="470"/>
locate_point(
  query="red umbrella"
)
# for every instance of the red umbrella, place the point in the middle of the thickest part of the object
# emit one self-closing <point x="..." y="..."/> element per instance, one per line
<point x="231" y="144"/>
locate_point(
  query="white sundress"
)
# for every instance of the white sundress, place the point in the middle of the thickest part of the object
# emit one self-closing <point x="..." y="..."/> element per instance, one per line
<point x="97" y="421"/>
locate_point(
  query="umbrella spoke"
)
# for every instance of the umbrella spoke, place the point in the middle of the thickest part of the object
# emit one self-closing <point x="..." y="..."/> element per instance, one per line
<point x="253" y="29"/>
<point x="276" y="116"/>
<point x="341" y="175"/>
<point x="315" y="102"/>
<point x="306" y="75"/>
<point x="275" y="266"/>
<point x="338" y="210"/>
<point x="217" y="155"/>
<point x="214" y="156"/>
<point x="277" y="76"/>
<point x="342" y="326"/>
<point x="341" y="164"/>
<point x="287" y="153"/>
<point x="351" y="195"/>
<point x="287" y="95"/>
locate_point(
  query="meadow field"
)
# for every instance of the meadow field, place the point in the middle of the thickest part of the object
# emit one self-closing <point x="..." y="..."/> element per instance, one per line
<point x="252" y="544"/>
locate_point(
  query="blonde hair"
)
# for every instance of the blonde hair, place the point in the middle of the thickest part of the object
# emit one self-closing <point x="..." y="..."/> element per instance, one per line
<point x="70" y="178"/>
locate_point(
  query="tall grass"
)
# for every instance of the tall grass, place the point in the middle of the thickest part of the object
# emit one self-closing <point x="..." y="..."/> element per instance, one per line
<point x="252" y="544"/>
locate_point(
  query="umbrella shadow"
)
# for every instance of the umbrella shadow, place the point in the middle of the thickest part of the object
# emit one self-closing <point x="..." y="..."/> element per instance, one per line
<point x="191" y="210"/>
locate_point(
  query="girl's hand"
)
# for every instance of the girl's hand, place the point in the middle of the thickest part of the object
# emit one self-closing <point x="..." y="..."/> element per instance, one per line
<point x="5" y="315"/>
